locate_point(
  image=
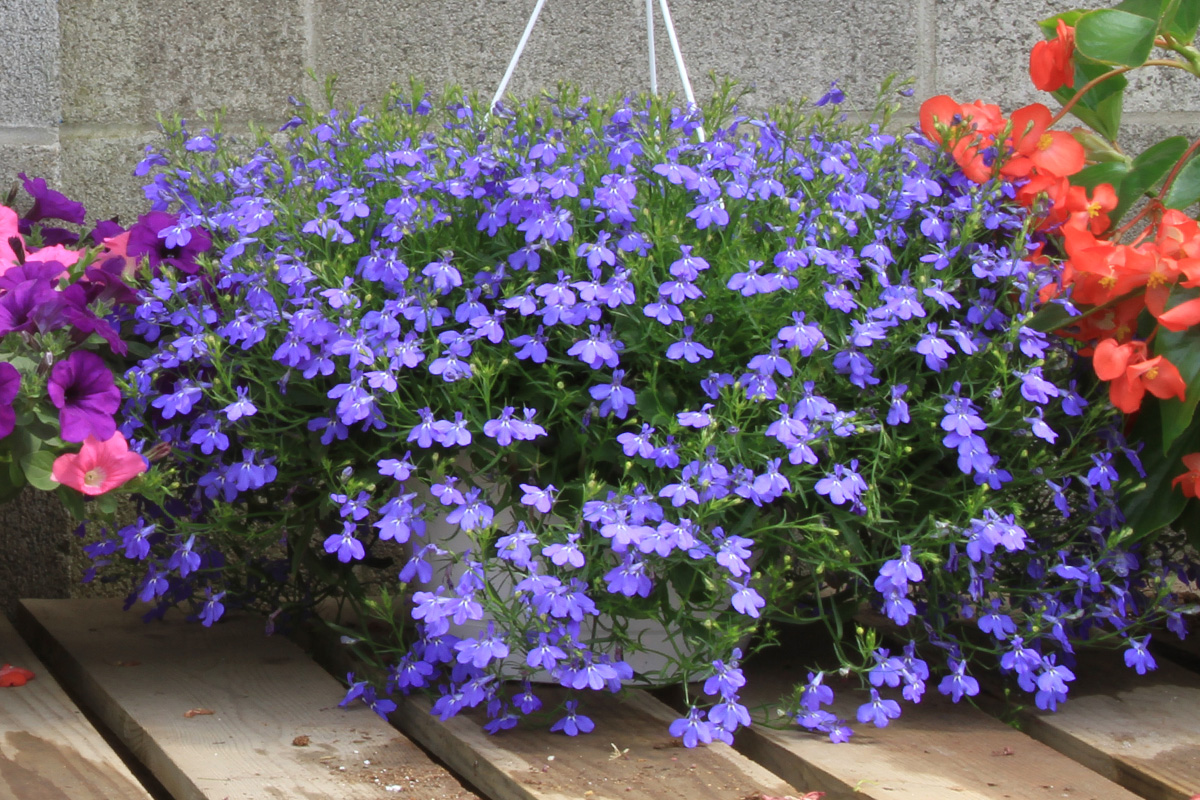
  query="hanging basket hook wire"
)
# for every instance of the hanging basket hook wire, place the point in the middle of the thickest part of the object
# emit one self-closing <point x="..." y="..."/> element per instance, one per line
<point x="674" y="38"/>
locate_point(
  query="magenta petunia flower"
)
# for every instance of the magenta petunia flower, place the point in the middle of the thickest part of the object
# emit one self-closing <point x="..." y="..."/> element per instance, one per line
<point x="83" y="391"/>
<point x="31" y="306"/>
<point x="10" y="385"/>
<point x="49" y="204"/>
<point x="161" y="238"/>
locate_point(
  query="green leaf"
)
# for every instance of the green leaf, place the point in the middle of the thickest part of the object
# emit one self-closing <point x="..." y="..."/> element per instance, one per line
<point x="1151" y="9"/>
<point x="1182" y="349"/>
<point x="1111" y="172"/>
<point x="37" y="468"/>
<point x="72" y="501"/>
<point x="1152" y="504"/>
<point x="1112" y="36"/>
<point x="1181" y="22"/>
<point x="1100" y="108"/>
<point x="1049" y="25"/>
<point x="1147" y="171"/>
<point x="1185" y="189"/>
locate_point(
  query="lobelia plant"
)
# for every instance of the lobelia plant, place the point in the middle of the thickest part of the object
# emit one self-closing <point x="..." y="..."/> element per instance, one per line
<point x="722" y="383"/>
<point x="1130" y="253"/>
<point x="63" y="298"/>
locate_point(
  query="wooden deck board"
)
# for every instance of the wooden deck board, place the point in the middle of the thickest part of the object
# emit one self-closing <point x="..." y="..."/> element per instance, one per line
<point x="629" y="755"/>
<point x="141" y="680"/>
<point x="530" y="763"/>
<point x="934" y="751"/>
<point x="1142" y="731"/>
<point x="47" y="748"/>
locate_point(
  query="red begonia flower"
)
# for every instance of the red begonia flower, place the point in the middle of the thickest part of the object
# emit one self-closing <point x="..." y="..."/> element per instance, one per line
<point x="14" y="676"/>
<point x="1050" y="66"/>
<point x="1191" y="478"/>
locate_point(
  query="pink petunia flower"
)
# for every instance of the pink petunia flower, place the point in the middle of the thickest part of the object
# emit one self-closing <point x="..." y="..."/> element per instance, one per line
<point x="99" y="466"/>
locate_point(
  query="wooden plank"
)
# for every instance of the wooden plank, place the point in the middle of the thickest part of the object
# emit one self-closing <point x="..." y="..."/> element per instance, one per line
<point x="1142" y="731"/>
<point x="47" y="748"/>
<point x="263" y="692"/>
<point x="630" y="755"/>
<point x="935" y="751"/>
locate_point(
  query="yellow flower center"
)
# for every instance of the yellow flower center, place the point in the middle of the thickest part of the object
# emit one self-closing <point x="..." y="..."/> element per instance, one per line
<point x="1045" y="142"/>
<point x="94" y="477"/>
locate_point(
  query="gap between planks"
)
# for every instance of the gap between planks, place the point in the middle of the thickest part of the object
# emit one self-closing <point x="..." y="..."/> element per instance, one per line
<point x="629" y="756"/>
<point x="48" y="749"/>
<point x="263" y="692"/>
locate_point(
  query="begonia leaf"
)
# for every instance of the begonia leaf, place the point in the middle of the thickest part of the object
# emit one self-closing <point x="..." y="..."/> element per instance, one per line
<point x="1049" y="25"/>
<point x="1185" y="189"/>
<point x="1147" y="171"/>
<point x="1101" y="106"/>
<point x="1113" y="36"/>
<point x="1181" y="348"/>
<point x="1111" y="172"/>
<point x="1151" y="9"/>
<point x="1152" y="504"/>
<point x="1180" y="21"/>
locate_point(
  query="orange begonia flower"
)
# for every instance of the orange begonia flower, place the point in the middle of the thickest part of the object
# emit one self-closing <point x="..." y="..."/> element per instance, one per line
<point x="1050" y="66"/>
<point x="1191" y="478"/>
<point x="1131" y="374"/>
<point x="1047" y="151"/>
<point x="98" y="467"/>
<point x="1090" y="213"/>
<point x="1050" y="190"/>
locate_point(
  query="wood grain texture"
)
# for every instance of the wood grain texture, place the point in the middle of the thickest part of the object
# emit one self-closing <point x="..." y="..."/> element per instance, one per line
<point x="264" y="692"/>
<point x="934" y="751"/>
<point x="48" y="750"/>
<point x="629" y="755"/>
<point x="1142" y="731"/>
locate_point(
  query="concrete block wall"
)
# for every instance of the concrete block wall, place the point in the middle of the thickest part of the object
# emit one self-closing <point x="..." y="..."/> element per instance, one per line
<point x="82" y="81"/>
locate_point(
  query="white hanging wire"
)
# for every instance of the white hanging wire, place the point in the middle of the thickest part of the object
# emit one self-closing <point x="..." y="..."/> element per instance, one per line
<point x="670" y="25"/>
<point x="683" y="75"/>
<point x="512" y="64"/>
<point x="650" y="43"/>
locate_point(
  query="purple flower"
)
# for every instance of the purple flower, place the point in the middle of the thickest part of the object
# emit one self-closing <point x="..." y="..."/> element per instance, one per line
<point x="83" y="390"/>
<point x="745" y="599"/>
<point x="878" y="711"/>
<point x="614" y="398"/>
<point x="1138" y="657"/>
<point x="345" y="545"/>
<point x="696" y="419"/>
<point x="539" y="498"/>
<point x="10" y="387"/>
<point x="212" y="609"/>
<point x="50" y="204"/>
<point x="958" y="683"/>
<point x="573" y="723"/>
<point x="843" y="485"/>
<point x="693" y="728"/>
<point x="149" y="238"/>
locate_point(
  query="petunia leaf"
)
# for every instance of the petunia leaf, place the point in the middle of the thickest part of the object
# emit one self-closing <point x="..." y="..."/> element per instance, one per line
<point x="37" y="467"/>
<point x="1113" y="36"/>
